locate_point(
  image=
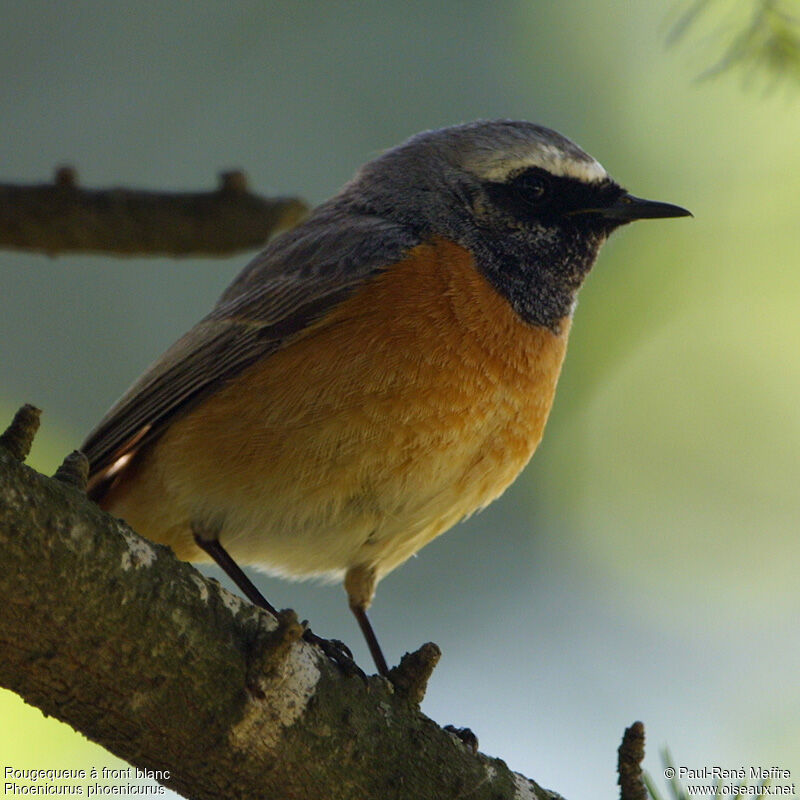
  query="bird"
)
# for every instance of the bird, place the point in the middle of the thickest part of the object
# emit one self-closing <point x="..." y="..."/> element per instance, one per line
<point x="376" y="374"/>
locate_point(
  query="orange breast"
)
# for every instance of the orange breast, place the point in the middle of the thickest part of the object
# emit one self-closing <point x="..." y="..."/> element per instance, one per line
<point x="410" y="405"/>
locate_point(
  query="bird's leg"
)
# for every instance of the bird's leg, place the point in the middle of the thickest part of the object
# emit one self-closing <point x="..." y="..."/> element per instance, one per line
<point x="335" y="650"/>
<point x="234" y="572"/>
<point x="359" y="583"/>
<point x="372" y="640"/>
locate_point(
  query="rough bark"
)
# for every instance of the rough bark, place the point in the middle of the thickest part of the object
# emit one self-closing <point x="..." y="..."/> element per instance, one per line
<point x="113" y="635"/>
<point x="62" y="217"/>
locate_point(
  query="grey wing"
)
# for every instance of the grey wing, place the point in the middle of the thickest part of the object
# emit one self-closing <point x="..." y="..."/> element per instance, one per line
<point x="296" y="280"/>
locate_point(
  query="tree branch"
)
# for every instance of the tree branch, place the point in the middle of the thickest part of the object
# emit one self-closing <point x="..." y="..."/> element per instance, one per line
<point x="113" y="635"/>
<point x="61" y="217"/>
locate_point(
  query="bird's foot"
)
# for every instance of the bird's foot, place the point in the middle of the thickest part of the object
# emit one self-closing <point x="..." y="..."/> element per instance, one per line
<point x="469" y="739"/>
<point x="336" y="651"/>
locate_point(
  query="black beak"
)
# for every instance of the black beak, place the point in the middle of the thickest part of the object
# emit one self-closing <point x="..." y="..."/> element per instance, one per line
<point x="628" y="208"/>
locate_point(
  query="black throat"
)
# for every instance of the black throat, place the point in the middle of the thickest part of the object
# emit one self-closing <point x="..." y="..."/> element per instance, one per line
<point x="540" y="279"/>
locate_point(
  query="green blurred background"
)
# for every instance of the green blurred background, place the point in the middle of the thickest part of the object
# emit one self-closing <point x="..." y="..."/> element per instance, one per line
<point x="645" y="566"/>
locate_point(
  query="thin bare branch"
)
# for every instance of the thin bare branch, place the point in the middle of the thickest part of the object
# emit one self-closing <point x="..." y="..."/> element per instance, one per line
<point x="62" y="217"/>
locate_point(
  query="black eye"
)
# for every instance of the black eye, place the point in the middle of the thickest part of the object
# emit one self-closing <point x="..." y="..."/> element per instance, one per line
<point x="532" y="188"/>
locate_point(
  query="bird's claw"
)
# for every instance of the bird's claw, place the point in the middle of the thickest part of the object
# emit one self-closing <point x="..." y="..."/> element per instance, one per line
<point x="468" y="738"/>
<point x="337" y="651"/>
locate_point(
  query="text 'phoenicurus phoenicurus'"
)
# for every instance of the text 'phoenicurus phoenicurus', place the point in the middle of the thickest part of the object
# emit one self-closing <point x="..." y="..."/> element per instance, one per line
<point x="376" y="374"/>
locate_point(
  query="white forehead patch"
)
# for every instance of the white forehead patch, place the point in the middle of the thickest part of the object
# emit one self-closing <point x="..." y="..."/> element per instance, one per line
<point x="498" y="166"/>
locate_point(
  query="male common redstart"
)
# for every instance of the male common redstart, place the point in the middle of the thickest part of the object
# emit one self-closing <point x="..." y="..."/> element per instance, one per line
<point x="376" y="374"/>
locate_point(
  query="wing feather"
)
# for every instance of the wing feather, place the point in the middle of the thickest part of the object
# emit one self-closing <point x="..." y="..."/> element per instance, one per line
<point x="296" y="280"/>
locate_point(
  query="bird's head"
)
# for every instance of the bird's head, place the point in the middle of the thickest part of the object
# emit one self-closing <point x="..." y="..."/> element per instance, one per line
<point x="526" y="201"/>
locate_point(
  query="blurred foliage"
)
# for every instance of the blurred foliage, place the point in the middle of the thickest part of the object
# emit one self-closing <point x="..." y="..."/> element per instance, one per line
<point x="763" y="37"/>
<point x="677" y="791"/>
